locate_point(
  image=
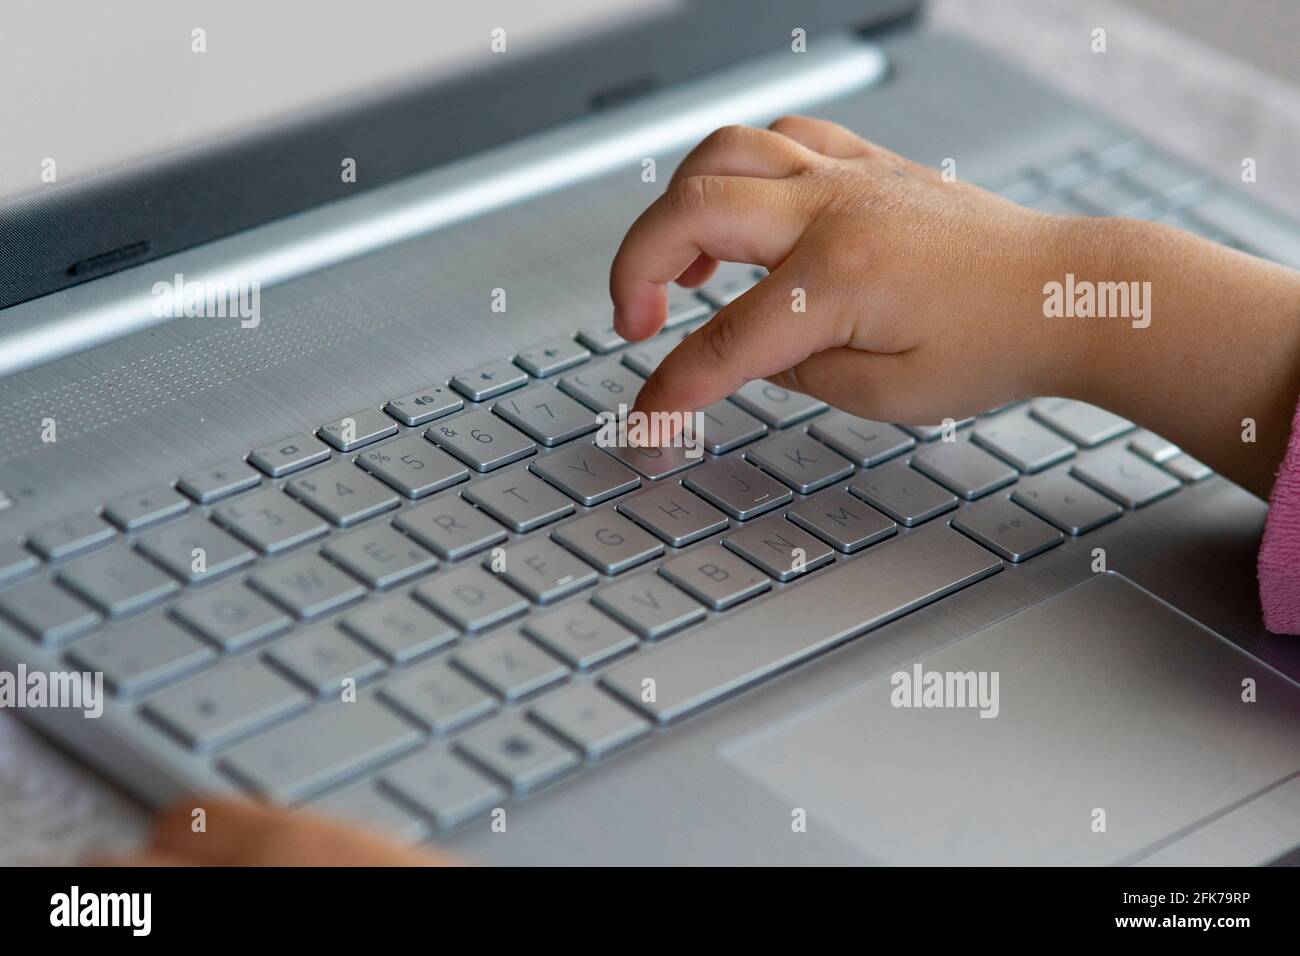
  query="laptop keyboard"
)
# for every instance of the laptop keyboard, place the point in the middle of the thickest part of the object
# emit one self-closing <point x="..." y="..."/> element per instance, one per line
<point x="1126" y="179"/>
<point x="420" y="611"/>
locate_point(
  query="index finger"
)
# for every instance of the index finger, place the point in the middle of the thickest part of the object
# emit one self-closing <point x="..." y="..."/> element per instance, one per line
<point x="757" y="335"/>
<point x="735" y="218"/>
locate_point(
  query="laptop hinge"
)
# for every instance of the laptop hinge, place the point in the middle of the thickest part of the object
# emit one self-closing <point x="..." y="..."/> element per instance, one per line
<point x="660" y="122"/>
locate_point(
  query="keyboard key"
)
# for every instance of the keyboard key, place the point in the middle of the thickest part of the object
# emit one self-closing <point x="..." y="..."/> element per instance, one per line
<point x="232" y="616"/>
<point x="552" y="358"/>
<point x="228" y="702"/>
<point x="512" y="666"/>
<point x="1152" y="447"/>
<point x="963" y="468"/>
<point x="1119" y="155"/>
<point x="603" y="386"/>
<point x="726" y="426"/>
<point x="674" y="515"/>
<point x="518" y="753"/>
<point x="1085" y="425"/>
<point x="380" y="555"/>
<point x="544" y="571"/>
<point x="712" y="574"/>
<point x="357" y="430"/>
<point x="927" y="433"/>
<point x="118" y="582"/>
<point x="133" y="512"/>
<point x="71" y="536"/>
<point x="1179" y="185"/>
<point x="992" y="412"/>
<point x="586" y="474"/>
<point x="322" y="658"/>
<point x="1273" y="236"/>
<point x="580" y="635"/>
<point x="325" y="746"/>
<point x="783" y="550"/>
<point x="1188" y="469"/>
<point x="519" y="501"/>
<point x="655" y="463"/>
<point x="195" y="550"/>
<point x="1079" y="168"/>
<point x="799" y="461"/>
<point x="863" y="442"/>
<point x="219" y="481"/>
<point x="471" y="598"/>
<point x="644" y="357"/>
<point x="343" y="495"/>
<point x="842" y="521"/>
<point x="443" y="787"/>
<point x="547" y="415"/>
<point x="1022" y="442"/>
<point x="437" y="697"/>
<point x="729" y="283"/>
<point x="601" y="339"/>
<point x="451" y="527"/>
<point x="413" y="466"/>
<point x="1010" y="531"/>
<point x="151" y="652"/>
<point x="424" y="406"/>
<point x="684" y="305"/>
<point x="399" y="628"/>
<point x="46" y="611"/>
<point x="365" y="805"/>
<point x="1123" y="476"/>
<point x="489" y="381"/>
<point x="1115" y="196"/>
<point x="307" y="585"/>
<point x="608" y="541"/>
<point x="16" y="562"/>
<point x="270" y="521"/>
<point x="481" y="440"/>
<point x="288" y="455"/>
<point x="739" y="489"/>
<point x="775" y="406"/>
<point x="590" y="720"/>
<point x="1182" y="219"/>
<point x="649" y="605"/>
<point x="903" y="493"/>
<point x="1073" y="507"/>
<point x="755" y="642"/>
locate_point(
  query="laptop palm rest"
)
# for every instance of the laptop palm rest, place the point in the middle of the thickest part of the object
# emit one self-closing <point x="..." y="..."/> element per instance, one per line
<point x="1113" y="710"/>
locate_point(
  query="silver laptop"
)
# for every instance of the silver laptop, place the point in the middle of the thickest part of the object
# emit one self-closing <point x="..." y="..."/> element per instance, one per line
<point x="305" y="340"/>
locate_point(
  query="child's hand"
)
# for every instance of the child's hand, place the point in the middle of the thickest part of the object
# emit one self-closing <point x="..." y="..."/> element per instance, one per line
<point x="244" y="833"/>
<point x="924" y="299"/>
<point x="919" y="292"/>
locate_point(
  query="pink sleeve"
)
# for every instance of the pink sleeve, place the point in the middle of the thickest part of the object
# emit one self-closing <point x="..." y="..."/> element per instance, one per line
<point x="1279" y="554"/>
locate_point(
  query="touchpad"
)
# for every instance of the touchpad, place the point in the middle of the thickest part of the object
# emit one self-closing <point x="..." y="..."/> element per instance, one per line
<point x="1083" y="729"/>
